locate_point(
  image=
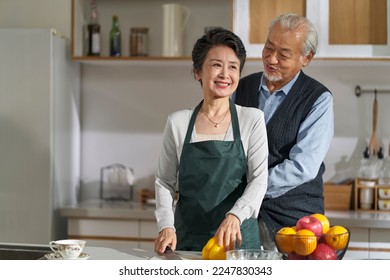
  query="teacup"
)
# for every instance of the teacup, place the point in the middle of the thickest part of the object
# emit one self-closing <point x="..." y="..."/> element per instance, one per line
<point x="69" y="249"/>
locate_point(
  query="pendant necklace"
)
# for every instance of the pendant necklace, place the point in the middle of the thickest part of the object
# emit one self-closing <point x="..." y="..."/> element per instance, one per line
<point x="216" y="124"/>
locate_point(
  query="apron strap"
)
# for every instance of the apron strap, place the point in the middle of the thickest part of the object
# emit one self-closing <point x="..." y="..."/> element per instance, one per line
<point x="192" y="122"/>
<point x="234" y="120"/>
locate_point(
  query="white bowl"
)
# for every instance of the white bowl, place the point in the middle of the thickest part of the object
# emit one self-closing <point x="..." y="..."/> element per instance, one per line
<point x="384" y="204"/>
<point x="384" y="192"/>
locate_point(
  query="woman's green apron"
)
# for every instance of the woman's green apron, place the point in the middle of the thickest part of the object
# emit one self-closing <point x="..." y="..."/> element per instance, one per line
<point x="212" y="176"/>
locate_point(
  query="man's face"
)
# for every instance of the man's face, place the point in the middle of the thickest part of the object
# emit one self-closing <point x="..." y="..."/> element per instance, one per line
<point x="282" y="56"/>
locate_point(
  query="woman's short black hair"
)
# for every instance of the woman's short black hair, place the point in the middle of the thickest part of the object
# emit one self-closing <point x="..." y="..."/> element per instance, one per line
<point x="217" y="37"/>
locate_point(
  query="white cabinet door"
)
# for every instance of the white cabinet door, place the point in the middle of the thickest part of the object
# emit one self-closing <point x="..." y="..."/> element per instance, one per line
<point x="148" y="233"/>
<point x="379" y="243"/>
<point x="148" y="229"/>
<point x="359" y="244"/>
<point x="114" y="244"/>
<point x="103" y="228"/>
<point x="117" y="234"/>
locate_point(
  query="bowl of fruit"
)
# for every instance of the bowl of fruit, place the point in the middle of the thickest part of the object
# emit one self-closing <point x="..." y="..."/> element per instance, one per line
<point x="313" y="238"/>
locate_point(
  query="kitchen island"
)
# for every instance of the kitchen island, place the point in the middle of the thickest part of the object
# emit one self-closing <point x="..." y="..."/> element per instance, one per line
<point x="119" y="224"/>
<point x="113" y="224"/>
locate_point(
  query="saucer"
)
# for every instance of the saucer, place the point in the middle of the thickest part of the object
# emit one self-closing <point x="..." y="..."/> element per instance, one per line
<point x="57" y="256"/>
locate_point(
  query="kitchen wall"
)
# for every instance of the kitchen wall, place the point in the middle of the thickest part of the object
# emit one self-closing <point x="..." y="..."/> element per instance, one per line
<point x="124" y="111"/>
<point x="36" y="14"/>
<point x="124" y="107"/>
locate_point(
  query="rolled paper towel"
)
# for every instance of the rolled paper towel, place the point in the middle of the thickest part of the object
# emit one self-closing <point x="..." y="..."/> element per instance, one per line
<point x="114" y="177"/>
<point x="127" y="177"/>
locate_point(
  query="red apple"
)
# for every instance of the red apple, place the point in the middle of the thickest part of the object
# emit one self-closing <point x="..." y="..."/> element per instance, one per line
<point x="295" y="256"/>
<point x="310" y="223"/>
<point x="323" y="252"/>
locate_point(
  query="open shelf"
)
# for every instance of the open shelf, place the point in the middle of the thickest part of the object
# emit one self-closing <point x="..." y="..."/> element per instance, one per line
<point x="138" y="13"/>
<point x="371" y="185"/>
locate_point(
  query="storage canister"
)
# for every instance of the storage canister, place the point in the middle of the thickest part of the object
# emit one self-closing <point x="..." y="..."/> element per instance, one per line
<point x="139" y="41"/>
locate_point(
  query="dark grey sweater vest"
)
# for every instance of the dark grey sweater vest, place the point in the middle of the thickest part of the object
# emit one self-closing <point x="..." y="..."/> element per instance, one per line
<point x="282" y="131"/>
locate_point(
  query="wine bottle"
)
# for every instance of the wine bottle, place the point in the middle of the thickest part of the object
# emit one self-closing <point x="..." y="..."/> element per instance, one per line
<point x="93" y="31"/>
<point x="115" y="38"/>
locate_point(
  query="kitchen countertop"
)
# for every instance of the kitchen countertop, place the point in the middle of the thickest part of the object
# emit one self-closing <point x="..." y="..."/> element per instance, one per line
<point x="135" y="210"/>
<point x="102" y="253"/>
<point x="364" y="219"/>
<point x="120" y="210"/>
<point x="16" y="251"/>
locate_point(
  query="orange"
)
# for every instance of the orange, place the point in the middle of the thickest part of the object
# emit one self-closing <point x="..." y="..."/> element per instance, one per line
<point x="324" y="221"/>
<point x="212" y="251"/>
<point x="337" y="237"/>
<point x="284" y="239"/>
<point x="294" y="228"/>
<point x="304" y="242"/>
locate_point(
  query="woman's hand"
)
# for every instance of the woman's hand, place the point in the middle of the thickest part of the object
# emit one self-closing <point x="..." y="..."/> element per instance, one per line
<point x="166" y="237"/>
<point x="229" y="232"/>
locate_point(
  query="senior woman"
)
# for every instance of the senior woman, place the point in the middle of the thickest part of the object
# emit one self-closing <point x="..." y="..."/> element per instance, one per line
<point x="214" y="155"/>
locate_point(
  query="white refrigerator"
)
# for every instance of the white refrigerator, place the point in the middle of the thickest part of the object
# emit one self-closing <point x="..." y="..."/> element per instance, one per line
<point x="39" y="134"/>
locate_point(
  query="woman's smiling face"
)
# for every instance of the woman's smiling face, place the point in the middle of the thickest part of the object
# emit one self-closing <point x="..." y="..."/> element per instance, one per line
<point x="220" y="72"/>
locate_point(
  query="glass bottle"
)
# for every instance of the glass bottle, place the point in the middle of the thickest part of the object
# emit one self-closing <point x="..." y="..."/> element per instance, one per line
<point x="139" y="41"/>
<point x="93" y="32"/>
<point x="115" y="38"/>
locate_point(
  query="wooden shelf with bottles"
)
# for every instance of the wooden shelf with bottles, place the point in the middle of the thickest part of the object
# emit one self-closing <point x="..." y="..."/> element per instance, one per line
<point x="226" y="13"/>
<point x="155" y="60"/>
<point x="374" y="187"/>
<point x="139" y="13"/>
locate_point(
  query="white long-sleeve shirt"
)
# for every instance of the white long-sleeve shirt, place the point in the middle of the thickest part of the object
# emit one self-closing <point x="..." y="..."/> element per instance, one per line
<point x="254" y="141"/>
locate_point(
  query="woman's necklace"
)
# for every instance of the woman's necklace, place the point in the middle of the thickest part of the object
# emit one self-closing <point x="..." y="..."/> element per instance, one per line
<point x="216" y="124"/>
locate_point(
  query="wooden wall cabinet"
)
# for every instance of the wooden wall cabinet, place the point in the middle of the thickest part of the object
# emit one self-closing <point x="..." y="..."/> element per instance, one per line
<point x="355" y="23"/>
<point x="262" y="12"/>
<point x="346" y="28"/>
<point x="358" y="22"/>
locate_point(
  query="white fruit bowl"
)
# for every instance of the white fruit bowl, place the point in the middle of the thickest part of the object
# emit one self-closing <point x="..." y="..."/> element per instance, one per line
<point x="308" y="247"/>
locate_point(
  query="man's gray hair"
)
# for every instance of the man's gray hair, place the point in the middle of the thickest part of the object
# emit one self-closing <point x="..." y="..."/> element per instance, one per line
<point x="295" y="22"/>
